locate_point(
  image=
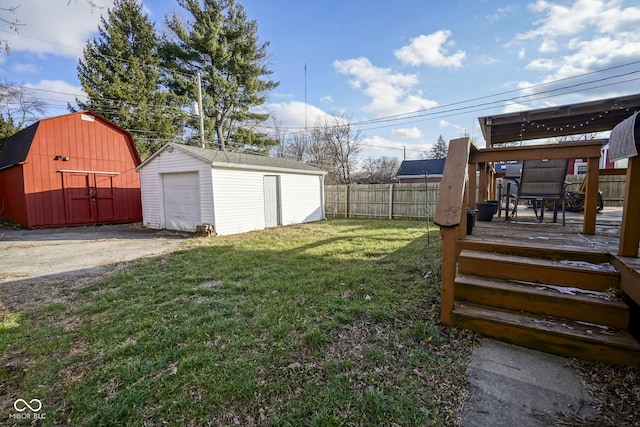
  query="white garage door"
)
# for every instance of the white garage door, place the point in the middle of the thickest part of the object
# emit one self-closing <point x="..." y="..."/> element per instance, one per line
<point x="181" y="192"/>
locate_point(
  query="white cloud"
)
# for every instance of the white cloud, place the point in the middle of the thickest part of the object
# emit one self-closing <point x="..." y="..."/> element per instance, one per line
<point x="502" y="13"/>
<point x="582" y="36"/>
<point x="488" y="60"/>
<point x="410" y="133"/>
<point x="57" y="93"/>
<point x="522" y="53"/>
<point x="617" y="20"/>
<point x="431" y="50"/>
<point x="327" y="98"/>
<point x="25" y="68"/>
<point x="390" y="93"/>
<point x="544" y="64"/>
<point x="565" y="20"/>
<point x="55" y="27"/>
<point x="292" y="114"/>
<point x="379" y="146"/>
<point x="514" y="107"/>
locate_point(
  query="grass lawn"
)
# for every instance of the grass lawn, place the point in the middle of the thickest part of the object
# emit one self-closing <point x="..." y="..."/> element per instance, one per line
<point x="330" y="323"/>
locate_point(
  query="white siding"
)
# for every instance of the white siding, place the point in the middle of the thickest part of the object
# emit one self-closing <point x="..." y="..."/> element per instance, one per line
<point x="232" y="199"/>
<point x="238" y="200"/>
<point x="150" y="189"/>
<point x="174" y="162"/>
<point x="301" y="197"/>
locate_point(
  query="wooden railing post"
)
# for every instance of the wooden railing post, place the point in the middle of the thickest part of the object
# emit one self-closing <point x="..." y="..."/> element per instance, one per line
<point x="473" y="185"/>
<point x="450" y="215"/>
<point x="449" y="236"/>
<point x="591" y="199"/>
<point x="630" y="230"/>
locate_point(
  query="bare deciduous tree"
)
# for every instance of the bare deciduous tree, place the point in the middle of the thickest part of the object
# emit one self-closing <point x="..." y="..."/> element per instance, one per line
<point x="17" y="109"/>
<point x="378" y="171"/>
<point x="9" y="17"/>
<point x="293" y="146"/>
<point x="330" y="145"/>
<point x="342" y="144"/>
<point x="18" y="105"/>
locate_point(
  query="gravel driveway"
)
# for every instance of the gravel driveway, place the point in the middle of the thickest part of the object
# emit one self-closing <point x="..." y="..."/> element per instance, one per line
<point x="47" y="265"/>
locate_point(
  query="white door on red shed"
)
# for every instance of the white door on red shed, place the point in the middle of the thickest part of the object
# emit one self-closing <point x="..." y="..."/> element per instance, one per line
<point x="181" y="195"/>
<point x="271" y="201"/>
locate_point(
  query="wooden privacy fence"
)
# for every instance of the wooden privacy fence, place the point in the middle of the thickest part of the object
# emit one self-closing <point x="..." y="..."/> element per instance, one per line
<point x="391" y="201"/>
<point x="417" y="200"/>
<point x="612" y="187"/>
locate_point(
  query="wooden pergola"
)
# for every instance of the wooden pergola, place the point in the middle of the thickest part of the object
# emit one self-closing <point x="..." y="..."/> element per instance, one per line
<point x="586" y="117"/>
<point x="574" y="119"/>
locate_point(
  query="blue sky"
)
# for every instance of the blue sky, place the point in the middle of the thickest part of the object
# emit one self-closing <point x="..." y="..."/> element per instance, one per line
<point x="404" y="72"/>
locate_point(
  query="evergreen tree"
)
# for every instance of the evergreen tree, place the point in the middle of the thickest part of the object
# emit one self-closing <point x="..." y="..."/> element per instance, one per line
<point x="221" y="44"/>
<point x="120" y="73"/>
<point x="7" y="129"/>
<point x="440" y="149"/>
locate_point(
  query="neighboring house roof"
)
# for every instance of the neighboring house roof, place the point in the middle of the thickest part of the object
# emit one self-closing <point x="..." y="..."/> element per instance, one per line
<point x="217" y="158"/>
<point x="16" y="147"/>
<point x="420" y="168"/>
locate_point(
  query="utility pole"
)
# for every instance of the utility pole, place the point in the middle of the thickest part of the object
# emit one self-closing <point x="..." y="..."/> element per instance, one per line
<point x="305" y="102"/>
<point x="200" y="109"/>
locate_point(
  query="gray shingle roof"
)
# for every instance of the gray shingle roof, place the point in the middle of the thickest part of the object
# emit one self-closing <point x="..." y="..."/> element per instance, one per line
<point x="228" y="157"/>
<point x="421" y="167"/>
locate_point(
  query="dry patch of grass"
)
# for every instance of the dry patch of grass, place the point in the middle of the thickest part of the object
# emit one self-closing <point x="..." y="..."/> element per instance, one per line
<point x="615" y="391"/>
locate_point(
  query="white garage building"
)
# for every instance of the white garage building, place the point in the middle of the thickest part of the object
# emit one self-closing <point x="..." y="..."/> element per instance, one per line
<point x="184" y="186"/>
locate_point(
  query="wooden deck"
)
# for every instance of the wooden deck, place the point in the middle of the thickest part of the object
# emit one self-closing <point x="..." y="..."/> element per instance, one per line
<point x="530" y="230"/>
<point x="550" y="287"/>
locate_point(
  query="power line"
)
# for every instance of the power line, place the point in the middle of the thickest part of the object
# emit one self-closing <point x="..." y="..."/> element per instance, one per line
<point x="440" y="113"/>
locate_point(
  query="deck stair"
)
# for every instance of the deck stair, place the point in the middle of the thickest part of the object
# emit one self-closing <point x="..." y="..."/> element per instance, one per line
<point x="561" y="302"/>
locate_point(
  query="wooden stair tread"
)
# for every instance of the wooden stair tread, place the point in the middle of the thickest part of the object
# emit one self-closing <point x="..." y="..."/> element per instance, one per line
<point x="582" y="274"/>
<point x="536" y="249"/>
<point x="541" y="289"/>
<point x="584" y="266"/>
<point x="542" y="299"/>
<point x="550" y="325"/>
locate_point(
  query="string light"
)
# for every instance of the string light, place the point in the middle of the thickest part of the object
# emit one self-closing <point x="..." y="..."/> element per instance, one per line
<point x="531" y="123"/>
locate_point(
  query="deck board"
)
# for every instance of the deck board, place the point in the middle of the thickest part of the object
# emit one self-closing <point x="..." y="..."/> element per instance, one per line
<point x="529" y="231"/>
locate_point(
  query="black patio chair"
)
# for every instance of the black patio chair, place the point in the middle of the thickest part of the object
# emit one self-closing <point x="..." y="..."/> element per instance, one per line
<point x="542" y="181"/>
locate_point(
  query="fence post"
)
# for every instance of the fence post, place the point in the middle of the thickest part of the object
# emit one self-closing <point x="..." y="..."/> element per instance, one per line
<point x="391" y="201"/>
<point x="346" y="202"/>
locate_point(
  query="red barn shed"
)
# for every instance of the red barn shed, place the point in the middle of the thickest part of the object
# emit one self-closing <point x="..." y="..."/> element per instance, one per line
<point x="76" y="169"/>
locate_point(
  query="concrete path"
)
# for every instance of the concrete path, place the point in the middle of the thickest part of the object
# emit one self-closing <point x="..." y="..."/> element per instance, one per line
<point x="515" y="386"/>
